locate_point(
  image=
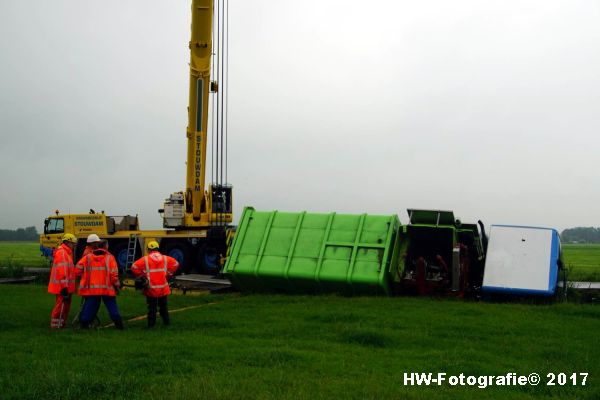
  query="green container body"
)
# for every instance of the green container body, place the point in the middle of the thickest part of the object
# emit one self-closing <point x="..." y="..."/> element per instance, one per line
<point x="313" y="253"/>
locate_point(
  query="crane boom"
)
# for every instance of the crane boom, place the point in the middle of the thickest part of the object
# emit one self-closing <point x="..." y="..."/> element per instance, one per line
<point x="200" y="57"/>
<point x="199" y="207"/>
<point x="197" y="219"/>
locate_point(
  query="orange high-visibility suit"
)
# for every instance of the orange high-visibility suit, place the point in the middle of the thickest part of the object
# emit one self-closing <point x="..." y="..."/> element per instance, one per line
<point x="156" y="267"/>
<point x="99" y="274"/>
<point x="99" y="280"/>
<point x="86" y="251"/>
<point x="62" y="284"/>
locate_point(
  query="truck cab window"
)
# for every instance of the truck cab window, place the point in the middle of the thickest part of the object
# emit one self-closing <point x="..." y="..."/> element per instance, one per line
<point x="54" y="225"/>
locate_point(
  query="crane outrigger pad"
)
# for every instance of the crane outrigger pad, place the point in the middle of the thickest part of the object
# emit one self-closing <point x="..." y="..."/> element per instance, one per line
<point x="198" y="282"/>
<point x="203" y="279"/>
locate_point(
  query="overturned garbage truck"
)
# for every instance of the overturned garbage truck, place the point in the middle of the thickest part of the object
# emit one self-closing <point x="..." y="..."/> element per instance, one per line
<point x="357" y="254"/>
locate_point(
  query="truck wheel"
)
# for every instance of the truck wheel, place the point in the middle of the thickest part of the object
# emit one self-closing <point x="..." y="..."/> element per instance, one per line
<point x="180" y="252"/>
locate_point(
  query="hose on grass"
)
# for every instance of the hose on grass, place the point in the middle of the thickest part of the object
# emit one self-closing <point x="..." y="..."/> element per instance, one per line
<point x="143" y="317"/>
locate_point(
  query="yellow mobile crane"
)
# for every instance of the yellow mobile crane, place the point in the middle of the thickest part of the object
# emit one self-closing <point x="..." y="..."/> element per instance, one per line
<point x="196" y="220"/>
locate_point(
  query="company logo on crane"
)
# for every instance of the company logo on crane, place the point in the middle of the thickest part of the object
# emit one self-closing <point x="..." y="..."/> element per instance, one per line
<point x="198" y="157"/>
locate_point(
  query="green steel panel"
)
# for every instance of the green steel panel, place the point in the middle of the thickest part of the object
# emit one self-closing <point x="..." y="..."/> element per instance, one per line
<point x="293" y="246"/>
<point x="430" y="217"/>
<point x="311" y="252"/>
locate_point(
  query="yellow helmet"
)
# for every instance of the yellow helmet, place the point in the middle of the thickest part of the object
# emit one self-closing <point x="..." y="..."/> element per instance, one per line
<point x="68" y="237"/>
<point x="153" y="245"/>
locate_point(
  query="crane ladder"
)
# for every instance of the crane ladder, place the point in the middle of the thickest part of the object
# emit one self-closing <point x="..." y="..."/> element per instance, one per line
<point x="131" y="248"/>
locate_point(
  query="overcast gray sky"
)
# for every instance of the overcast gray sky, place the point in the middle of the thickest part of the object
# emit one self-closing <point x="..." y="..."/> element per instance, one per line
<point x="487" y="108"/>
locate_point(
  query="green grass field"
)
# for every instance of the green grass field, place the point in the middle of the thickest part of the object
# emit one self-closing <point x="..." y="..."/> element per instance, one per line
<point x="25" y="254"/>
<point x="582" y="261"/>
<point x="275" y="346"/>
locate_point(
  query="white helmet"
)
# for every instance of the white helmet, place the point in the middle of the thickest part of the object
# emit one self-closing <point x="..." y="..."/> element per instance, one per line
<point x="93" y="238"/>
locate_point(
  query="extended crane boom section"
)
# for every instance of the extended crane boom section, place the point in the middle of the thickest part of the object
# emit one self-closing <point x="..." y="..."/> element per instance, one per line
<point x="200" y="57"/>
<point x="197" y="207"/>
<point x="197" y="219"/>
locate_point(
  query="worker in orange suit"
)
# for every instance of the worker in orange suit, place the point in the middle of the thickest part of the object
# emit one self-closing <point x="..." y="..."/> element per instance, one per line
<point x="88" y="249"/>
<point x="99" y="282"/>
<point x="62" y="281"/>
<point x="155" y="267"/>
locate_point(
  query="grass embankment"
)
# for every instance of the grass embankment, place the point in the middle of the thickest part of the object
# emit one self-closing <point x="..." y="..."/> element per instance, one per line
<point x="269" y="346"/>
<point x="22" y="254"/>
<point x="582" y="261"/>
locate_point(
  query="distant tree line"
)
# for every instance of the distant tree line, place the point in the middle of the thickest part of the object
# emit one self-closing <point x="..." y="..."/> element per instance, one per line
<point x="22" y="234"/>
<point x="581" y="235"/>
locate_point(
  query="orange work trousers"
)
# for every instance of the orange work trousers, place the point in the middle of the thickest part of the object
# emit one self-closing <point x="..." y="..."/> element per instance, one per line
<point x="60" y="312"/>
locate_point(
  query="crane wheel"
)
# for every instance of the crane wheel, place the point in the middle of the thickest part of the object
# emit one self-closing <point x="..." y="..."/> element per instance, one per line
<point x="120" y="252"/>
<point x="209" y="260"/>
<point x="182" y="253"/>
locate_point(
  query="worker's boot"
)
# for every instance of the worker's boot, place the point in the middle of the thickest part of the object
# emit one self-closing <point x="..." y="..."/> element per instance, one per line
<point x="119" y="324"/>
<point x="164" y="314"/>
<point x="151" y="319"/>
<point x="152" y="304"/>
